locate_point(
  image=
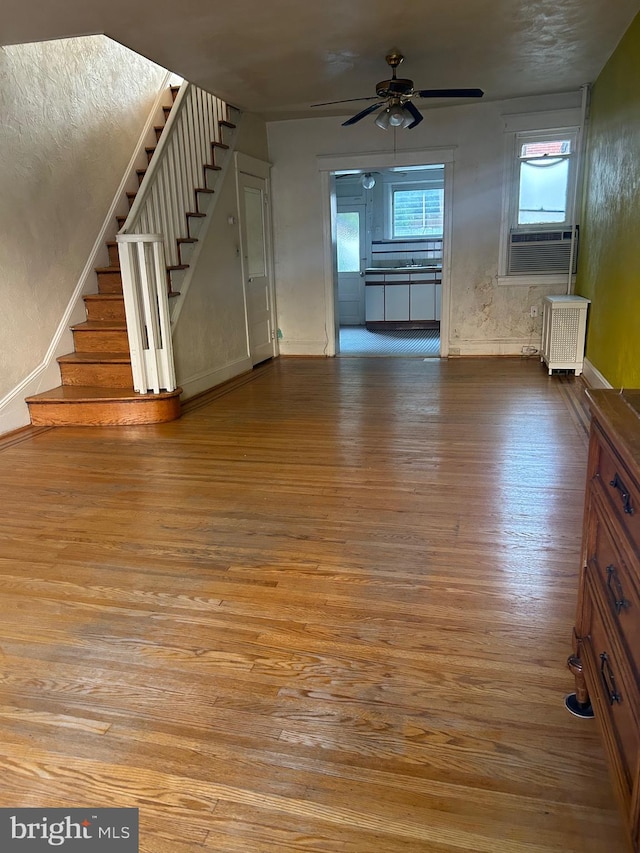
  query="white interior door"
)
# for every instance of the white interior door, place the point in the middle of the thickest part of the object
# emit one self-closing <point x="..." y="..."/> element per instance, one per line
<point x="350" y="236"/>
<point x="255" y="230"/>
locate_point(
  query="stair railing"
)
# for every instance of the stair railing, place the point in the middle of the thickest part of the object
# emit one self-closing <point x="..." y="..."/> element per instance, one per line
<point x="142" y="265"/>
<point x="148" y="240"/>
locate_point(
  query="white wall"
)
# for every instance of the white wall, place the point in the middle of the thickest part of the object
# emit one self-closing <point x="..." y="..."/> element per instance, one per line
<point x="72" y="112"/>
<point x="485" y="317"/>
<point x="210" y="335"/>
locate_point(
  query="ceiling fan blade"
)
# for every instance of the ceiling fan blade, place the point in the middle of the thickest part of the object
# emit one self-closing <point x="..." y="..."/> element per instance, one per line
<point x="347" y="101"/>
<point x="367" y="111"/>
<point x="449" y="93"/>
<point x="415" y="112"/>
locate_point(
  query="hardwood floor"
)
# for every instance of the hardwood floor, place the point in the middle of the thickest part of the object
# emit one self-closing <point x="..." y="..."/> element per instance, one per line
<point x="328" y="611"/>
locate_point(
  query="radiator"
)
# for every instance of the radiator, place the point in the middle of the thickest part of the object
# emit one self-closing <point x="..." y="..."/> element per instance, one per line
<point x="564" y="325"/>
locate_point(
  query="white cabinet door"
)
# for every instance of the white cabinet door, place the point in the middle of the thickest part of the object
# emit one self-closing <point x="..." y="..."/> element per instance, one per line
<point x="396" y="302"/>
<point x="374" y="302"/>
<point x="423" y="302"/>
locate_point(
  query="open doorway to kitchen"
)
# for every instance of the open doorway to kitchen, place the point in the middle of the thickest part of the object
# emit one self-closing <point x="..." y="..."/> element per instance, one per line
<point x="389" y="235"/>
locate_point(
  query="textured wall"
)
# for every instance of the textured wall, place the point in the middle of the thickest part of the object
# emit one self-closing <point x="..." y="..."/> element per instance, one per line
<point x="72" y="112"/>
<point x="486" y="317"/>
<point x="609" y="270"/>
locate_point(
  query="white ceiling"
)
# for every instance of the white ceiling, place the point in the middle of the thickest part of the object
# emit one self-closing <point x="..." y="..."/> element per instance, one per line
<point x="276" y="57"/>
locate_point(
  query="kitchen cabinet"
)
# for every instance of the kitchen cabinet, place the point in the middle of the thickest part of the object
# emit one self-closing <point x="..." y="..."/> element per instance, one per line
<point x="403" y="297"/>
<point x="396" y="302"/>
<point x="374" y="302"/>
<point x="423" y="302"/>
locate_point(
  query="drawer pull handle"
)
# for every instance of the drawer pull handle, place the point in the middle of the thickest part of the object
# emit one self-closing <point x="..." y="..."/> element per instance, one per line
<point x="626" y="497"/>
<point x="617" y="593"/>
<point x="608" y="679"/>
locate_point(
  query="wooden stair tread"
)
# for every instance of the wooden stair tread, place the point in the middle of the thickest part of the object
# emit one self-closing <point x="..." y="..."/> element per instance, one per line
<point x="100" y="326"/>
<point x="95" y="358"/>
<point x="94" y="393"/>
<point x="108" y="269"/>
<point x="103" y="297"/>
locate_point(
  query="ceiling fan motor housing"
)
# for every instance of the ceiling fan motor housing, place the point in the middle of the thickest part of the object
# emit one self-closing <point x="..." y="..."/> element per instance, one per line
<point x="394" y="88"/>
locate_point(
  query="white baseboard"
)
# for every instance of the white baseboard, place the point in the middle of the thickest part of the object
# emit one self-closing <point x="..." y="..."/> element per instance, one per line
<point x="503" y="346"/>
<point x="593" y="377"/>
<point x="14" y="412"/>
<point x="292" y="347"/>
<point x="208" y="379"/>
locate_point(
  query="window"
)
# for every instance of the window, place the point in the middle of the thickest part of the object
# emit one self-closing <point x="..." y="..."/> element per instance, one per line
<point x="348" y="241"/>
<point x="416" y="210"/>
<point x="539" y="235"/>
<point x="544" y="175"/>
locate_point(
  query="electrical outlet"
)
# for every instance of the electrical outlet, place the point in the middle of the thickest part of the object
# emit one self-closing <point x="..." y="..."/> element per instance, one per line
<point x="533" y="311"/>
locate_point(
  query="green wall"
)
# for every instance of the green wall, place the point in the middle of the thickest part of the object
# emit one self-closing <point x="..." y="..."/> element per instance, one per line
<point x="609" y="264"/>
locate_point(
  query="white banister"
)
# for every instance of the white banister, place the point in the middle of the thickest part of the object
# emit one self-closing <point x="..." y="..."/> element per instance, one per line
<point x="177" y="168"/>
<point x="146" y="301"/>
<point x="148" y="241"/>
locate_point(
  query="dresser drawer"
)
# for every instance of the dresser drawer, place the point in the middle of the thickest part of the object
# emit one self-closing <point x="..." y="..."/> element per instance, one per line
<point x="617" y="588"/>
<point x="619" y="486"/>
<point x="615" y="701"/>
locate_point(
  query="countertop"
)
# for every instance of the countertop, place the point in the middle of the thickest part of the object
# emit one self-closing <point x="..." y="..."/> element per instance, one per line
<point x="416" y="268"/>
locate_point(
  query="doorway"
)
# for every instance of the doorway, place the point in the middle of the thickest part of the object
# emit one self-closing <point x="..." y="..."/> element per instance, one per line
<point x="424" y="286"/>
<point x="389" y="258"/>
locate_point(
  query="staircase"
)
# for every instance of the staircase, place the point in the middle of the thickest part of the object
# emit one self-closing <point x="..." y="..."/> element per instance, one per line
<point x="97" y="383"/>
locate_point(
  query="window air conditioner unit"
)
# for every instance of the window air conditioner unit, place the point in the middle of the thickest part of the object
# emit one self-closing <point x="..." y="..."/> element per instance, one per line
<point x="541" y="252"/>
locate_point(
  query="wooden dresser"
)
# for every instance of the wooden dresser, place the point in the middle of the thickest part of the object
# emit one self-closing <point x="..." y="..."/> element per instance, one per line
<point x="606" y="658"/>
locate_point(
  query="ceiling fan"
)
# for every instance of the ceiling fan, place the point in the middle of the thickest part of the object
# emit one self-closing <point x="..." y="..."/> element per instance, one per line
<point x="395" y="96"/>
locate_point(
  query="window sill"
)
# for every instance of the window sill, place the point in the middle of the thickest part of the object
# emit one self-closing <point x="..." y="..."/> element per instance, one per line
<point x="545" y="280"/>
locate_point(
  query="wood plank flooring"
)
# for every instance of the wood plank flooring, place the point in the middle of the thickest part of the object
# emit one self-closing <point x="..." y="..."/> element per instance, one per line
<point x="326" y="612"/>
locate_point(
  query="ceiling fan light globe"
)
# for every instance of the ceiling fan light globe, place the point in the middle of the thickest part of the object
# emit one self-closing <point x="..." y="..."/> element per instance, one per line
<point x="397" y="116"/>
<point x="368" y="181"/>
<point x="382" y="119"/>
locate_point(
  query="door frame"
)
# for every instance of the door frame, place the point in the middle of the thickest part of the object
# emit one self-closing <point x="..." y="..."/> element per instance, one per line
<point x="247" y="165"/>
<point x="330" y="163"/>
